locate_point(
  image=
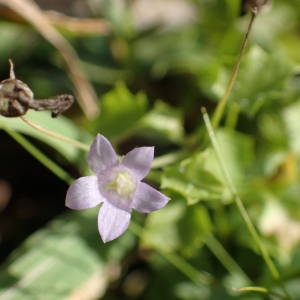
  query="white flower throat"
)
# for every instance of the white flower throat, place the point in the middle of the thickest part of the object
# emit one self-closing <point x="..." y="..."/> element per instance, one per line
<point x="123" y="183"/>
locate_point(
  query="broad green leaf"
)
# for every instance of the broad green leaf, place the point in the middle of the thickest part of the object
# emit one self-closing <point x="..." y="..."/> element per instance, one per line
<point x="192" y="180"/>
<point x="261" y="80"/>
<point x="160" y="230"/>
<point x="59" y="125"/>
<point x="64" y="259"/>
<point x="237" y="151"/>
<point x="272" y="128"/>
<point x="200" y="177"/>
<point x="163" y="122"/>
<point x="120" y="112"/>
<point x="193" y="226"/>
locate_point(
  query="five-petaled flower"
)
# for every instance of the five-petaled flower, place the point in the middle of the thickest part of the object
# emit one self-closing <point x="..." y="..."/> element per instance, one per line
<point x="117" y="185"/>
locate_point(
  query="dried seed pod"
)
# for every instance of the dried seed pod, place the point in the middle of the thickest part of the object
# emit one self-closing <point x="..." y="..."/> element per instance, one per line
<point x="255" y="5"/>
<point x="56" y="104"/>
<point x="16" y="98"/>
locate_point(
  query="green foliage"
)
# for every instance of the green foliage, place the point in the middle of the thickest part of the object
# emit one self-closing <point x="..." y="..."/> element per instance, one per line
<point x="199" y="245"/>
<point x="292" y="124"/>
<point x="164" y="123"/>
<point x="60" y="125"/>
<point x="167" y="239"/>
<point x="199" y="177"/>
<point x="261" y="80"/>
<point x="193" y="182"/>
<point x="62" y="259"/>
<point x="121" y="110"/>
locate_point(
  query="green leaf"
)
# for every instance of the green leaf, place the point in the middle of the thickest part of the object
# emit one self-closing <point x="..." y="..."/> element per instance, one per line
<point x="59" y="125"/>
<point x="163" y="122"/>
<point x="272" y="128"/>
<point x="160" y="229"/>
<point x="237" y="151"/>
<point x="192" y="180"/>
<point x="200" y="177"/>
<point x="63" y="259"/>
<point x="261" y="79"/>
<point x="193" y="226"/>
<point x="120" y="112"/>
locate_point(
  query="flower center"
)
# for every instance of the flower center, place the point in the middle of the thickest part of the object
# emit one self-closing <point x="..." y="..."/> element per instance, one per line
<point x="123" y="183"/>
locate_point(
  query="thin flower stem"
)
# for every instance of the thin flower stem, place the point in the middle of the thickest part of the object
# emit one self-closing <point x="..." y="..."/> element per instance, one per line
<point x="182" y="265"/>
<point x="261" y="290"/>
<point x="257" y="289"/>
<point x="250" y="226"/>
<point x="167" y="159"/>
<point x="42" y="158"/>
<point x="217" y="116"/>
<point x="55" y="135"/>
<point x="177" y="261"/>
<point x="232" y="116"/>
<point x="224" y="257"/>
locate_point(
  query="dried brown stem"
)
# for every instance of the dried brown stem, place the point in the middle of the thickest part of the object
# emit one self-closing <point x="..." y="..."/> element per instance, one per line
<point x="85" y="93"/>
<point x="77" y="26"/>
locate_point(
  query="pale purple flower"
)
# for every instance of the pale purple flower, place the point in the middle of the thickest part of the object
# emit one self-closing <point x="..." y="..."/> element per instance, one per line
<point x="117" y="185"/>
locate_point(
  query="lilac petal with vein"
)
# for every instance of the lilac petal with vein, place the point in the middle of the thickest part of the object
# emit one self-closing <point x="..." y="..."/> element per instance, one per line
<point x="112" y="222"/>
<point x="139" y="161"/>
<point x="84" y="193"/>
<point x="148" y="199"/>
<point x="101" y="155"/>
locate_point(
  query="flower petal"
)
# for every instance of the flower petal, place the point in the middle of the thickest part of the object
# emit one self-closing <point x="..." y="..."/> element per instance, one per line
<point x="148" y="199"/>
<point x="101" y="155"/>
<point x="83" y="193"/>
<point x="139" y="161"/>
<point x="112" y="222"/>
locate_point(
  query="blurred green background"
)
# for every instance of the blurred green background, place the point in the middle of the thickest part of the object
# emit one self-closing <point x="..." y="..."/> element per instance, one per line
<point x="151" y="66"/>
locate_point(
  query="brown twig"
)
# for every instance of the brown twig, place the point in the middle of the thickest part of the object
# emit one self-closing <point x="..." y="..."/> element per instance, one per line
<point x="55" y="135"/>
<point x="222" y="103"/>
<point x="85" y="93"/>
<point x="76" y="26"/>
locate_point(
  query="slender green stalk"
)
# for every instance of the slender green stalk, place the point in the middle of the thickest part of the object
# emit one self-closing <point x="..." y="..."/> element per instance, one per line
<point x="55" y="135"/>
<point x="217" y="116"/>
<point x="250" y="226"/>
<point x="177" y="261"/>
<point x="42" y="158"/>
<point x="224" y="257"/>
<point x="167" y="159"/>
<point x="257" y="289"/>
<point x="232" y="116"/>
<point x="187" y="269"/>
<point x="261" y="290"/>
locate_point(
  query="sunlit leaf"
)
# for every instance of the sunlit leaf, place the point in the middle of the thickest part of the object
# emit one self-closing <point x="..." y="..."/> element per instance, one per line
<point x="120" y="112"/>
<point x="261" y="79"/>
<point x="160" y="231"/>
<point x="192" y="181"/>
<point x="64" y="259"/>
<point x="164" y="122"/>
<point x="59" y="125"/>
